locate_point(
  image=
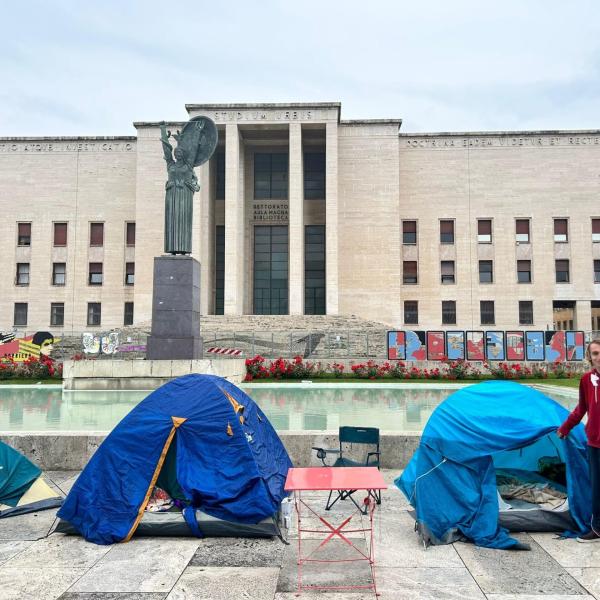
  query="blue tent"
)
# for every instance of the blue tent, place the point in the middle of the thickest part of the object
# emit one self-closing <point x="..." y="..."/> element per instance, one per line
<point x="451" y="479"/>
<point x="199" y="437"/>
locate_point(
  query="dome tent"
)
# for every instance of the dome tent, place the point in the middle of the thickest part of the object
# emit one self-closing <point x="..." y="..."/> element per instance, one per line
<point x="22" y="485"/>
<point x="204" y="441"/>
<point x="451" y="479"/>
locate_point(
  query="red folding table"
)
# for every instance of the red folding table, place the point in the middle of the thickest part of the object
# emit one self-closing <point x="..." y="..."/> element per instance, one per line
<point x="330" y="479"/>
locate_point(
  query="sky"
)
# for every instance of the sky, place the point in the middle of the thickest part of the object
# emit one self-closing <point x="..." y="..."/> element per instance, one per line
<point x="81" y="68"/>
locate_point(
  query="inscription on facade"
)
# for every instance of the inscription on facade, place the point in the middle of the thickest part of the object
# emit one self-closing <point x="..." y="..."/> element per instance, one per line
<point x="502" y="141"/>
<point x="261" y="115"/>
<point x="273" y="212"/>
<point x="35" y="147"/>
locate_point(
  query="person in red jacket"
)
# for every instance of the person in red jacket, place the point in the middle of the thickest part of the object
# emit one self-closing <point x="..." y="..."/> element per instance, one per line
<point x="588" y="403"/>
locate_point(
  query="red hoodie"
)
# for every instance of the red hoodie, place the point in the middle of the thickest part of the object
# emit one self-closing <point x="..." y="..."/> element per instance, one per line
<point x="588" y="403"/>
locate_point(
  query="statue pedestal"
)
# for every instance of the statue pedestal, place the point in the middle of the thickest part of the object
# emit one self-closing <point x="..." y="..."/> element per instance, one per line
<point x="175" y="309"/>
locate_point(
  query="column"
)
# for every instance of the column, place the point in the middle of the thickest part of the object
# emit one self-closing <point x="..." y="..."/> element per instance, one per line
<point x="296" y="221"/>
<point x="205" y="235"/>
<point x="331" y="218"/>
<point x="234" y="223"/>
<point x="583" y="315"/>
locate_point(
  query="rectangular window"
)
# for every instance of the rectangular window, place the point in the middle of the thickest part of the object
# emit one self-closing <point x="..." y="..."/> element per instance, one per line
<point x="525" y="312"/>
<point x="270" y="270"/>
<point x="20" y="315"/>
<point x="411" y="312"/>
<point x="130" y="234"/>
<point x="59" y="273"/>
<point x="597" y="271"/>
<point x="94" y="313"/>
<point x="486" y="310"/>
<point x="448" y="312"/>
<point x="409" y="232"/>
<point x="220" y="176"/>
<point x="270" y="176"/>
<point x="484" y="231"/>
<point x="409" y="272"/>
<point x="562" y="271"/>
<point x="447" y="270"/>
<point x="60" y="234"/>
<point x="96" y="234"/>
<point x="447" y="231"/>
<point x="57" y="314"/>
<point x="314" y="175"/>
<point x="129" y="273"/>
<point x="486" y="271"/>
<point x="95" y="274"/>
<point x="128" y="314"/>
<point x="220" y="270"/>
<point x="314" y="270"/>
<point x="595" y="230"/>
<point x="522" y="231"/>
<point x="524" y="271"/>
<point x="24" y="234"/>
<point x="22" y="274"/>
<point x="561" y="227"/>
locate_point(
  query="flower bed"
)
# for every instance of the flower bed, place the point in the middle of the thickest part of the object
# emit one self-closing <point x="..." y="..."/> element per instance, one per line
<point x="43" y="367"/>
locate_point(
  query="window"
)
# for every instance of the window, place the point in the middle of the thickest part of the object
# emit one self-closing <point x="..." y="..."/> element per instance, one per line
<point x="129" y="273"/>
<point x="96" y="234"/>
<point x="22" y="274"/>
<point x="409" y="272"/>
<point x="447" y="232"/>
<point x="484" y="231"/>
<point x="486" y="271"/>
<point x="314" y="270"/>
<point x="411" y="312"/>
<point x="20" y="316"/>
<point x="57" y="314"/>
<point x="447" y="270"/>
<point x="270" y="176"/>
<point x="409" y="232"/>
<point x="562" y="271"/>
<point x="314" y="175"/>
<point x="130" y="234"/>
<point x="24" y="234"/>
<point x="486" y="310"/>
<point x="448" y="312"/>
<point x="561" y="230"/>
<point x="94" y="313"/>
<point x="595" y="230"/>
<point x="522" y="231"/>
<point x="60" y="234"/>
<point x="524" y="271"/>
<point x="95" y="274"/>
<point x="59" y="272"/>
<point x="220" y="176"/>
<point x="270" y="270"/>
<point x="525" y="312"/>
<point x="128" y="313"/>
<point x="597" y="271"/>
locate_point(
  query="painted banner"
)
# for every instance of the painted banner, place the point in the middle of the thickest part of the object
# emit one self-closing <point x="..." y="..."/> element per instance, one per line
<point x="534" y="345"/>
<point x="20" y="349"/>
<point x="436" y="345"/>
<point x="415" y="345"/>
<point x="455" y="345"/>
<point x="555" y="346"/>
<point x="475" y="345"/>
<point x="575" y="345"/>
<point x="515" y="345"/>
<point x="396" y="345"/>
<point x="494" y="345"/>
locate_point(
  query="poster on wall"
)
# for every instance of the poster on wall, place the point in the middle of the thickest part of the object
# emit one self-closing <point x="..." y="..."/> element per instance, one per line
<point x="555" y="346"/>
<point x="396" y="349"/>
<point x="515" y="345"/>
<point x="436" y="345"/>
<point x="534" y="345"/>
<point x="31" y="346"/>
<point x="475" y="345"/>
<point x="415" y="345"/>
<point x="575" y="345"/>
<point x="494" y="345"/>
<point x="455" y="345"/>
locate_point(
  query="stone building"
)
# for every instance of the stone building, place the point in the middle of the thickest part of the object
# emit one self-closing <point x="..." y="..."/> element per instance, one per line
<point x="301" y="212"/>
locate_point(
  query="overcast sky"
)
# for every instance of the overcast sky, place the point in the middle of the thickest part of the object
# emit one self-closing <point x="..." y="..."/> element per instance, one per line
<point x="92" y="68"/>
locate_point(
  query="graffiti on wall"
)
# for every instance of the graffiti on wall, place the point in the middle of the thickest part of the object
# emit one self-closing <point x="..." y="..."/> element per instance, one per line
<point x="21" y="349"/>
<point x="94" y="343"/>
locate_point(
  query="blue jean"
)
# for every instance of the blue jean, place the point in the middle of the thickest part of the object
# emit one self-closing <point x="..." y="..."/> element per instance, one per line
<point x="594" y="462"/>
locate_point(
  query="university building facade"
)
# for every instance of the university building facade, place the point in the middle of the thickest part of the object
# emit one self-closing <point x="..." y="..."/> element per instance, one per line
<point x="301" y="212"/>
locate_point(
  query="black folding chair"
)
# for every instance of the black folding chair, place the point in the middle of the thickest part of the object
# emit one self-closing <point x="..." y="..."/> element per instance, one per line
<point x="359" y="447"/>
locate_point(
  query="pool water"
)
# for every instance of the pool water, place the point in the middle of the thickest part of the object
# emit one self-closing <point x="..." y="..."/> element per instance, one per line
<point x="296" y="407"/>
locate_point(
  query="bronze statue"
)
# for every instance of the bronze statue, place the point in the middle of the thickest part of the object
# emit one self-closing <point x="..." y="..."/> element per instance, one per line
<point x="196" y="143"/>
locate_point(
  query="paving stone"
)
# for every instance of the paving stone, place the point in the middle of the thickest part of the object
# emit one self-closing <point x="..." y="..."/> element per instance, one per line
<point x="10" y="549"/>
<point x="537" y="597"/>
<point x="40" y="583"/>
<point x="30" y="526"/>
<point x="588" y="577"/>
<point x="141" y="565"/>
<point x="113" y="596"/>
<point x="568" y="552"/>
<point x="225" y="583"/>
<point x="515" y="572"/>
<point x="239" y="552"/>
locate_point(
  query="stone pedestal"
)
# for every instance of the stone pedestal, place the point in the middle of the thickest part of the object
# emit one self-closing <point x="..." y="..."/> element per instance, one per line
<point x="175" y="309"/>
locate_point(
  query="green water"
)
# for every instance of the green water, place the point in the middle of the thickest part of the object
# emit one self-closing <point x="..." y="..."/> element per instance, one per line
<point x="399" y="408"/>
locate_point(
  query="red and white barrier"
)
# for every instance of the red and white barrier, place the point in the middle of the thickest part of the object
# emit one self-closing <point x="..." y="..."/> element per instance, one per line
<point x="225" y="351"/>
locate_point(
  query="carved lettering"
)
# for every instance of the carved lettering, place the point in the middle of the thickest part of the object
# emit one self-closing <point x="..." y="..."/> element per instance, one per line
<point x="38" y="147"/>
<point x="502" y="141"/>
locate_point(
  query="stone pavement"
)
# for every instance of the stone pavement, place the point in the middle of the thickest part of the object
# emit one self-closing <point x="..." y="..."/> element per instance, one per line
<point x="38" y="566"/>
